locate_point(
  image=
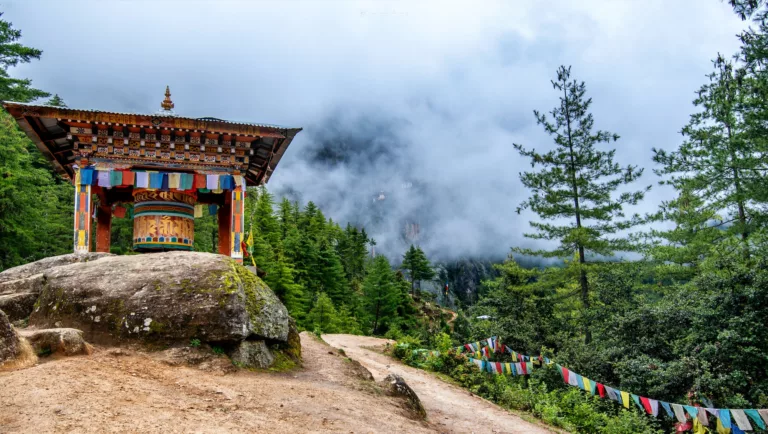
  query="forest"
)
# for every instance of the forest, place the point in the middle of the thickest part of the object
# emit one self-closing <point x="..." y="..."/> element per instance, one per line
<point x="670" y="304"/>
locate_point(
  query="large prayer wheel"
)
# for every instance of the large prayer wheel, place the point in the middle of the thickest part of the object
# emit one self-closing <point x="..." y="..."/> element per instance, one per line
<point x="163" y="220"/>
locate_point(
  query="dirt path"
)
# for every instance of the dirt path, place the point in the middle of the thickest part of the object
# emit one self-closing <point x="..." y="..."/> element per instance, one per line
<point x="449" y="407"/>
<point x="133" y="392"/>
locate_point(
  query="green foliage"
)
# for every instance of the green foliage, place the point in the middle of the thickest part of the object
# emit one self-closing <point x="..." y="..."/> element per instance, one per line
<point x="381" y="294"/>
<point x="323" y="316"/>
<point x="542" y="393"/>
<point x="194" y="343"/>
<point x="11" y="54"/>
<point x="578" y="183"/>
<point x="217" y="350"/>
<point x="418" y="266"/>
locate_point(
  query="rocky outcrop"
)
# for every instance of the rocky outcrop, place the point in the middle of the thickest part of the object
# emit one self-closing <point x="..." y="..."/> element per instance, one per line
<point x="9" y="340"/>
<point x="15" y="351"/>
<point x="21" y="286"/>
<point x="59" y="341"/>
<point x="201" y="358"/>
<point x="253" y="354"/>
<point x="397" y="386"/>
<point x="160" y="298"/>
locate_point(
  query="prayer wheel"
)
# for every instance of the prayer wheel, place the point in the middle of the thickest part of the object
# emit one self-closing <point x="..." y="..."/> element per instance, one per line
<point x="163" y="220"/>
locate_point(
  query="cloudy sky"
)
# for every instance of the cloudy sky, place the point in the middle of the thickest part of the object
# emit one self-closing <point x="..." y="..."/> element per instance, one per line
<point x="428" y="93"/>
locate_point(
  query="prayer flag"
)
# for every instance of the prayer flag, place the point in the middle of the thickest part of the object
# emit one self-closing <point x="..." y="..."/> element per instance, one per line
<point x="200" y="181"/>
<point x="212" y="209"/>
<point x="155" y="180"/>
<point x="679" y="413"/>
<point x="637" y="401"/>
<point x="187" y="181"/>
<point x="625" y="399"/>
<point x="702" y="417"/>
<point x="646" y="405"/>
<point x="580" y="382"/>
<point x="764" y="414"/>
<point x="499" y="368"/>
<point x="115" y="178"/>
<point x="741" y="419"/>
<point x="588" y="385"/>
<point x="128" y="177"/>
<point x="564" y="373"/>
<point x="198" y="211"/>
<point x="693" y="411"/>
<point x="103" y="176"/>
<point x="86" y="176"/>
<point x="174" y="181"/>
<point x="212" y="182"/>
<point x="755" y="415"/>
<point x="654" y="407"/>
<point x="601" y="389"/>
<point x="164" y="182"/>
<point x="725" y="417"/>
<point x="238" y="180"/>
<point x="666" y="407"/>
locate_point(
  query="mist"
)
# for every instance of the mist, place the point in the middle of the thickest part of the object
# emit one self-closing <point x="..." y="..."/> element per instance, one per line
<point x="409" y="109"/>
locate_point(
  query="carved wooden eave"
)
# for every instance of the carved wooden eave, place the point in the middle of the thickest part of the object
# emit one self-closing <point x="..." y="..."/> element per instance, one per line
<point x="66" y="136"/>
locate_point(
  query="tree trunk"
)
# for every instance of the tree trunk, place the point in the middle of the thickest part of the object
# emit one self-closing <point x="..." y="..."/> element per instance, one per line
<point x="739" y="200"/>
<point x="575" y="189"/>
<point x="376" y="319"/>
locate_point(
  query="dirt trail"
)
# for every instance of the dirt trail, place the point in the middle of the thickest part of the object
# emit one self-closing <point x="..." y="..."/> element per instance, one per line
<point x="135" y="393"/>
<point x="451" y="408"/>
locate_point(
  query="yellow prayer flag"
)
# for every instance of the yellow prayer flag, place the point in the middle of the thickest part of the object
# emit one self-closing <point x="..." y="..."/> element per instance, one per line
<point x="625" y="399"/>
<point x="587" y="385"/>
<point x="249" y="241"/>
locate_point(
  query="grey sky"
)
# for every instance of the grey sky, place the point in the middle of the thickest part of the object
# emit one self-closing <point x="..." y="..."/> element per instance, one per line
<point x="431" y="92"/>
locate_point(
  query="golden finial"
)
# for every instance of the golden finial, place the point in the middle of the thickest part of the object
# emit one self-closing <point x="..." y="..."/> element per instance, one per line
<point x="167" y="104"/>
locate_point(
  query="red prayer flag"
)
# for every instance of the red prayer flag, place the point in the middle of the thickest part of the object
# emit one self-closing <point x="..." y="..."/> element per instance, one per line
<point x="565" y="374"/>
<point x="498" y="367"/>
<point x="200" y="180"/>
<point x="128" y="177"/>
<point x="601" y="390"/>
<point x="646" y="405"/>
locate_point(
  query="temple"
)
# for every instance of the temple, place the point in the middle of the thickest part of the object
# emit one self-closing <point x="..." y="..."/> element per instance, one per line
<point x="166" y="165"/>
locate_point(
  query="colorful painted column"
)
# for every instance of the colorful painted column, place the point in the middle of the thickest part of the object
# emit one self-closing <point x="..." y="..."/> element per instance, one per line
<point x="237" y="221"/>
<point x="83" y="207"/>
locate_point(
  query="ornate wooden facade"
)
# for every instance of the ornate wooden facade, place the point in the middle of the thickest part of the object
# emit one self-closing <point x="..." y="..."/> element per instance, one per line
<point x="163" y="143"/>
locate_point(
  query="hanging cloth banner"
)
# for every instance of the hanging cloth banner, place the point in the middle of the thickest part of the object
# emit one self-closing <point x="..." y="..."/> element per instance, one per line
<point x="103" y="176"/>
<point x="142" y="179"/>
<point x="116" y="178"/>
<point x="128" y="177"/>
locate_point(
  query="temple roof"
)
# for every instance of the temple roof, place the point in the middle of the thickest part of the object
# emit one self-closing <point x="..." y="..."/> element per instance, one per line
<point x="161" y="140"/>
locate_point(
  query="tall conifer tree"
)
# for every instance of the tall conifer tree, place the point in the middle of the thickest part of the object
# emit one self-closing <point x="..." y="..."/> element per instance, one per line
<point x="576" y="184"/>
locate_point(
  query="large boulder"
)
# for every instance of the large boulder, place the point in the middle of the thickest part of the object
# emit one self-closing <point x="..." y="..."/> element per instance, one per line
<point x="59" y="341"/>
<point x="164" y="297"/>
<point x="253" y="354"/>
<point x="21" y="286"/>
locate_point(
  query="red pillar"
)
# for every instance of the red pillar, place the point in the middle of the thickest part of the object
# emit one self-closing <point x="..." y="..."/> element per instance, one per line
<point x="103" y="224"/>
<point x="225" y="226"/>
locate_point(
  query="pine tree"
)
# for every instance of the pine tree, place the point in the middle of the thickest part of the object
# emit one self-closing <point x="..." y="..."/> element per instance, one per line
<point x="719" y="162"/>
<point x="280" y="278"/>
<point x="381" y="294"/>
<point x="11" y="54"/>
<point x="680" y="250"/>
<point x="577" y="182"/>
<point x="422" y="268"/>
<point x="347" y="321"/>
<point x="333" y="281"/>
<point x="323" y="316"/>
<point x="56" y="101"/>
<point x="409" y="264"/>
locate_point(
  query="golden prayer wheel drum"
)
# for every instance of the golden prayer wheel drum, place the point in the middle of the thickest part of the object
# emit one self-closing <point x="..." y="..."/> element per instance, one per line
<point x="163" y="220"/>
